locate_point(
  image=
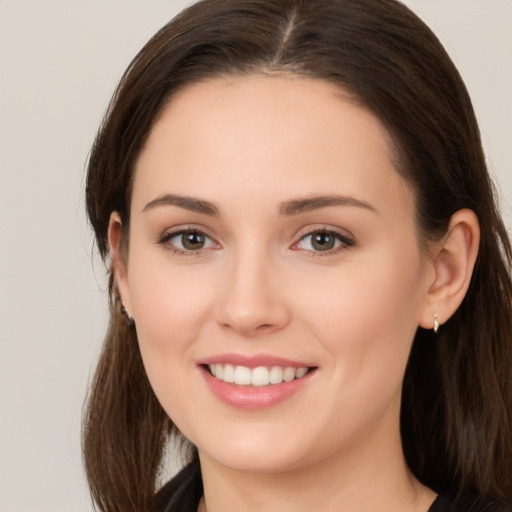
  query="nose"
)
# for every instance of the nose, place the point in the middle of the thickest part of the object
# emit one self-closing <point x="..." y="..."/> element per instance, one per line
<point x="253" y="300"/>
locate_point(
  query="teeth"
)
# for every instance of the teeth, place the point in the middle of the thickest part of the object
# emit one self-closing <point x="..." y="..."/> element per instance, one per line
<point x="289" y="374"/>
<point x="301" y="372"/>
<point x="219" y="371"/>
<point x="242" y="376"/>
<point x="229" y="373"/>
<point x="276" y="375"/>
<point x="257" y="377"/>
<point x="260" y="376"/>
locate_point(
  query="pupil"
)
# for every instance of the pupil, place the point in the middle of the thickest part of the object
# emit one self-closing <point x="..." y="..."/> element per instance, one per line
<point x="193" y="241"/>
<point x="323" y="241"/>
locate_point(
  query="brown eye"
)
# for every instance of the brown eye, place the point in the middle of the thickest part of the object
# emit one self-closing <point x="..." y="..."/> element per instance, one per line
<point x="187" y="241"/>
<point x="193" y="240"/>
<point x="323" y="241"/>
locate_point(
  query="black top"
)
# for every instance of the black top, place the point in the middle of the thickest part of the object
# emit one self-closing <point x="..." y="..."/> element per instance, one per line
<point x="448" y="502"/>
<point x="184" y="491"/>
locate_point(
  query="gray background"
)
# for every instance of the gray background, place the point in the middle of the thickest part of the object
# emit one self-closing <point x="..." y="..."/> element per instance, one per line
<point x="59" y="63"/>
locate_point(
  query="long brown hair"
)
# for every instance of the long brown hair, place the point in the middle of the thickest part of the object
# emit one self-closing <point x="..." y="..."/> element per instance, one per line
<point x="456" y="416"/>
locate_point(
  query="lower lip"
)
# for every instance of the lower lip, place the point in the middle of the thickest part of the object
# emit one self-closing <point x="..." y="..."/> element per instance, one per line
<point x="248" y="397"/>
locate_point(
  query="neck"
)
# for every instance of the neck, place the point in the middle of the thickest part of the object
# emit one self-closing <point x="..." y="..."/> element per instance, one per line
<point x="362" y="478"/>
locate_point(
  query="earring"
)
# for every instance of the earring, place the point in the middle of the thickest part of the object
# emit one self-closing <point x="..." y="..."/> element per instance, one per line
<point x="436" y="323"/>
<point x="129" y="319"/>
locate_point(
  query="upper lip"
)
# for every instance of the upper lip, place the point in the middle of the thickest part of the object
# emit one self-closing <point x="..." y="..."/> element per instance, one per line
<point x="253" y="361"/>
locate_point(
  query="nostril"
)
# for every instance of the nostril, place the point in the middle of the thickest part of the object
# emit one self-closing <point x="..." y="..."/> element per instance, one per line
<point x="248" y="328"/>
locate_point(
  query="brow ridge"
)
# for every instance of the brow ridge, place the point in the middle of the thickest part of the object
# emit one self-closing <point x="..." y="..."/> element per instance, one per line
<point x="189" y="203"/>
<point x="287" y="208"/>
<point x="302" y="205"/>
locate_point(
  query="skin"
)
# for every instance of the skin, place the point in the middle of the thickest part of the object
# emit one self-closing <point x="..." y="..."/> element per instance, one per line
<point x="249" y="146"/>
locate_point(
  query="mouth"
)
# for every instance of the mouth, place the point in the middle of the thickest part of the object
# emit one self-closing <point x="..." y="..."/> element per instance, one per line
<point x="257" y="381"/>
<point x="261" y="376"/>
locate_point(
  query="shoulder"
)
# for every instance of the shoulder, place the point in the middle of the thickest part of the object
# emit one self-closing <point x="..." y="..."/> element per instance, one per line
<point x="452" y="502"/>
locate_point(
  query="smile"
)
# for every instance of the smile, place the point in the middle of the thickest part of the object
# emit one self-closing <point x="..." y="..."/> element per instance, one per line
<point x="256" y="377"/>
<point x="253" y="383"/>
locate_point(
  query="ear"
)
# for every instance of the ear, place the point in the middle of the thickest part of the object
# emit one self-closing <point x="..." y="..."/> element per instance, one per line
<point x="118" y="260"/>
<point x="453" y="260"/>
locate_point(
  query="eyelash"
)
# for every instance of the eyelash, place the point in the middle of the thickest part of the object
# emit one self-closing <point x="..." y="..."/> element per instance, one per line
<point x="345" y="241"/>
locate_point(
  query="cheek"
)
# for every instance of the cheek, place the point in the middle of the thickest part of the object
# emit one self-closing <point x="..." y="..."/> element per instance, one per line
<point x="169" y="313"/>
<point x="367" y="316"/>
<point x="366" y="325"/>
<point x="170" y="306"/>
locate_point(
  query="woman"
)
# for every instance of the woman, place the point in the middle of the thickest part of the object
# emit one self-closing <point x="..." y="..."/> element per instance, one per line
<point x="310" y="280"/>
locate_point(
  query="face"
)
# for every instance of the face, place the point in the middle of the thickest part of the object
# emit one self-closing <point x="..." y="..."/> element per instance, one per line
<point x="274" y="272"/>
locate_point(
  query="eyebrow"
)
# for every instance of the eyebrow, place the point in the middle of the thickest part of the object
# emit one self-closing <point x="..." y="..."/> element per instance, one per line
<point x="189" y="203"/>
<point x="297" y="206"/>
<point x="287" y="208"/>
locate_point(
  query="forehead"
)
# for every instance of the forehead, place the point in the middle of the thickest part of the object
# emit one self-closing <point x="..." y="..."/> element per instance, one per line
<point x="268" y="135"/>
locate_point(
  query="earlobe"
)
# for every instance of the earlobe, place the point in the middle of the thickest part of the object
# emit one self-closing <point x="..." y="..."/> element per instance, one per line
<point x="454" y="259"/>
<point x="118" y="260"/>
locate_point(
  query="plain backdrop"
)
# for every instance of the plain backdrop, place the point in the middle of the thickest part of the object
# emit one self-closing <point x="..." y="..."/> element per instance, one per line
<point x="59" y="63"/>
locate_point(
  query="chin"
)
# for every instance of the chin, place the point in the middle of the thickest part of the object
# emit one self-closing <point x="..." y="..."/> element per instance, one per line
<point x="256" y="461"/>
<point x="253" y="455"/>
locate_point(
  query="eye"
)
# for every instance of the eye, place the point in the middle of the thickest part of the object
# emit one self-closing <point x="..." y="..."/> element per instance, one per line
<point x="187" y="241"/>
<point x="323" y="240"/>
